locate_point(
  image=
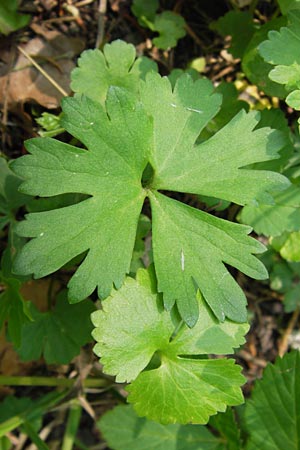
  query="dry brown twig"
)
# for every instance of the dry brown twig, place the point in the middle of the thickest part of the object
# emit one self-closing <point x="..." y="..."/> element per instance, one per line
<point x="284" y="341"/>
<point x="43" y="72"/>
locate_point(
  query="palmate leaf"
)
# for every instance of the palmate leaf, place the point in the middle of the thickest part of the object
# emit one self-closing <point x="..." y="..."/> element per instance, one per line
<point x="273" y="414"/>
<point x="170" y="27"/>
<point x="253" y="64"/>
<point x="117" y="65"/>
<point x="121" y="141"/>
<point x="57" y="335"/>
<point x="282" y="51"/>
<point x="133" y="327"/>
<point x="240" y="26"/>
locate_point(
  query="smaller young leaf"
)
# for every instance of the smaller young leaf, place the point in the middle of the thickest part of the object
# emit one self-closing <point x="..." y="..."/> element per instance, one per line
<point x="293" y="99"/>
<point x="273" y="414"/>
<point x="115" y="66"/>
<point x="145" y="11"/>
<point x="133" y="330"/>
<point x="170" y="27"/>
<point x="58" y="334"/>
<point x="282" y="51"/>
<point x="134" y="307"/>
<point x="123" y="430"/>
<point x="254" y="66"/>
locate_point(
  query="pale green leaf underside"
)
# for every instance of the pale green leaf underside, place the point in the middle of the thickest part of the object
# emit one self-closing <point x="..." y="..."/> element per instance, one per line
<point x="130" y="328"/>
<point x="273" y="220"/>
<point x="133" y="326"/>
<point x="117" y="65"/>
<point x="290" y="246"/>
<point x="293" y="99"/>
<point x="123" y="430"/>
<point x="120" y="141"/>
<point x="273" y="414"/>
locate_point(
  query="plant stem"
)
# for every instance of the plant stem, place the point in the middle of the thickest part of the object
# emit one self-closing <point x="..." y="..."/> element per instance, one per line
<point x="51" y="381"/>
<point x="72" y="425"/>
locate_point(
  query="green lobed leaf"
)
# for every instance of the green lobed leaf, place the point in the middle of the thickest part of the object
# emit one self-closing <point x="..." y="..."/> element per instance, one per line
<point x="133" y="328"/>
<point x="123" y="139"/>
<point x="10" y="198"/>
<point x="275" y="119"/>
<point x="123" y="353"/>
<point x="287" y="5"/>
<point x="145" y="11"/>
<point x="184" y="113"/>
<point x="57" y="334"/>
<point x="170" y="27"/>
<point x="123" y="429"/>
<point x="231" y="105"/>
<point x="186" y="391"/>
<point x="201" y="241"/>
<point x="254" y="66"/>
<point x="273" y="415"/>
<point x="117" y="65"/>
<point x="282" y="50"/>
<point x="240" y="26"/>
<point x="293" y="99"/>
<point x="110" y="172"/>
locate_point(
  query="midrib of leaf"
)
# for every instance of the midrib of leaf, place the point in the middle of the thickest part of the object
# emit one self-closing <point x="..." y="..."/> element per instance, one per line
<point x="160" y="167"/>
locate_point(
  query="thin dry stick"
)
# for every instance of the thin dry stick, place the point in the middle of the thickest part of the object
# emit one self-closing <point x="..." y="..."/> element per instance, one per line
<point x="284" y="342"/>
<point x="83" y="3"/>
<point x="249" y="358"/>
<point x="43" y="72"/>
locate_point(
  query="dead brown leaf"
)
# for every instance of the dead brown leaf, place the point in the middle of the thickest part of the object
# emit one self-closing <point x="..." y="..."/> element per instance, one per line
<point x="54" y="52"/>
